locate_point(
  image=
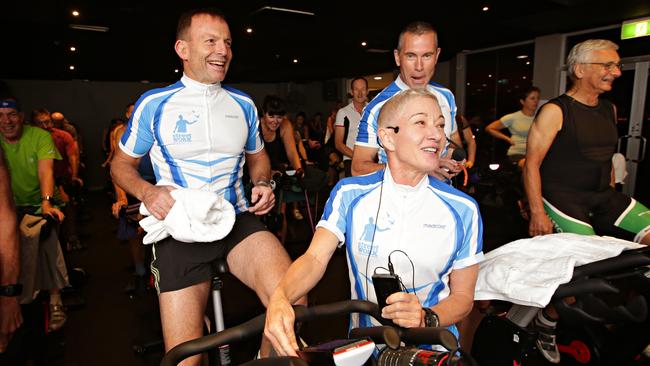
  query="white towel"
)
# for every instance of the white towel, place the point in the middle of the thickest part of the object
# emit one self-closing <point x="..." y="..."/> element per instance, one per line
<point x="196" y="216"/>
<point x="528" y="271"/>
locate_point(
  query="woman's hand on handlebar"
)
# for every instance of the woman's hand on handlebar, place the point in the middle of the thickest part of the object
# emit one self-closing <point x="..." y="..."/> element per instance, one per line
<point x="404" y="309"/>
<point x="280" y="319"/>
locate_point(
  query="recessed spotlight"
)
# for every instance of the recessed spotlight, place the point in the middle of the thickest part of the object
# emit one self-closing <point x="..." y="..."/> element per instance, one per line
<point x="523" y="77"/>
<point x="75" y="13"/>
<point x="295" y="60"/>
<point x="71" y="67"/>
<point x="522" y="56"/>
<point x="377" y="78"/>
<point x="73" y="48"/>
<point x="468" y="84"/>
<point x="527" y="62"/>
<point x="484" y="85"/>
<point x="493" y="166"/>
<point x="489" y="75"/>
<point x="249" y="30"/>
<point x="485" y="8"/>
<point x="176" y="71"/>
<point x="364" y="44"/>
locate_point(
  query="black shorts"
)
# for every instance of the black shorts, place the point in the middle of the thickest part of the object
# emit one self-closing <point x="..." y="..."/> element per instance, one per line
<point x="600" y="210"/>
<point x="177" y="265"/>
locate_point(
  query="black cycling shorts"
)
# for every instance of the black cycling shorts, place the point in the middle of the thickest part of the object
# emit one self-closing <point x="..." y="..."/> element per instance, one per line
<point x="177" y="265"/>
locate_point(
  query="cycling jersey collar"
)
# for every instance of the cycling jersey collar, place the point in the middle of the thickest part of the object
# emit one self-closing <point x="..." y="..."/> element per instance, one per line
<point x="193" y="84"/>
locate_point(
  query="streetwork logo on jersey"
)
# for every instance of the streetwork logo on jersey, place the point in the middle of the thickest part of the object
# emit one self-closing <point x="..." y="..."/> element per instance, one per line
<point x="181" y="136"/>
<point x="370" y="230"/>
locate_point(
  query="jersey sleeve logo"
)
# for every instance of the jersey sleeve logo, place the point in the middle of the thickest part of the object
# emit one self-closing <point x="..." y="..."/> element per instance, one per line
<point x="181" y="134"/>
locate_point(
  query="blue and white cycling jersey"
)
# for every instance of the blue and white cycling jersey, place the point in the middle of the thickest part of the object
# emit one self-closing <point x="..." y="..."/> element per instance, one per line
<point x="368" y="126"/>
<point x="196" y="136"/>
<point x="437" y="226"/>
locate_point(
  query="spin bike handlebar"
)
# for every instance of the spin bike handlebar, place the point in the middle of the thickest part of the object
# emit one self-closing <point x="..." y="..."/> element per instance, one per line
<point x="596" y="278"/>
<point x="255" y="326"/>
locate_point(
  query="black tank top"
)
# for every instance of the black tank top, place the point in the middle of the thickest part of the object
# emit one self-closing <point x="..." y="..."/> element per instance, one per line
<point x="276" y="151"/>
<point x="580" y="157"/>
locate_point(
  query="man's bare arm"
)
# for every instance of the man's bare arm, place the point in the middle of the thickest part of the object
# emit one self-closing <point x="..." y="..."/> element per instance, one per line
<point x="9" y="258"/>
<point x="10" y="315"/>
<point x="340" y="145"/>
<point x="542" y="133"/>
<point x="124" y="171"/>
<point x="364" y="160"/>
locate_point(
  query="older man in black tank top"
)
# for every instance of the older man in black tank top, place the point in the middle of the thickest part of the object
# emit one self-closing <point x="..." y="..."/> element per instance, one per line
<point x="568" y="172"/>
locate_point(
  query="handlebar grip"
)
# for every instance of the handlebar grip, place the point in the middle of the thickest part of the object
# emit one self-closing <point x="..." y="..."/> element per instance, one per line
<point x="440" y="335"/>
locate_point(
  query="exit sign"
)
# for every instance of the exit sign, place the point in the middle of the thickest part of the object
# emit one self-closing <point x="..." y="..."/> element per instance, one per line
<point x="635" y="28"/>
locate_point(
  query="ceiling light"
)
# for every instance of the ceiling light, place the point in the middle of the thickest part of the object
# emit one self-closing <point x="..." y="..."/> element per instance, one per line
<point x="527" y="62"/>
<point x="73" y="48"/>
<point x="493" y="166"/>
<point x="249" y="30"/>
<point x="295" y="60"/>
<point x="485" y="8"/>
<point x="523" y="77"/>
<point x="71" y="67"/>
<point x="75" y="13"/>
<point x="467" y="84"/>
<point x="364" y="44"/>
<point x="489" y="75"/>
<point x="176" y="71"/>
<point x="377" y="78"/>
<point x="522" y="57"/>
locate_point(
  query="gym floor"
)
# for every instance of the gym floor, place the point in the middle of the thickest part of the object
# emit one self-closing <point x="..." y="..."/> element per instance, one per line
<point x="105" y="330"/>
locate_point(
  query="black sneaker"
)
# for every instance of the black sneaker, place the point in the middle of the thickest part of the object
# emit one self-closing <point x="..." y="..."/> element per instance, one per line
<point x="546" y="343"/>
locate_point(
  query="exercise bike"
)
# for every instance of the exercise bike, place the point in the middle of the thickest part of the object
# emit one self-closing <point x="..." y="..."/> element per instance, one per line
<point x="399" y="350"/>
<point x="606" y="325"/>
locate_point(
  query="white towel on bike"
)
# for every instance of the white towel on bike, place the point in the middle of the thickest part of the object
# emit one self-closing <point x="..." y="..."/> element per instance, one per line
<point x="528" y="271"/>
<point x="196" y="216"/>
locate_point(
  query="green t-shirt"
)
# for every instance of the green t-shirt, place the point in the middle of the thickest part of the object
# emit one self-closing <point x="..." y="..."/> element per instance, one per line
<point x="22" y="157"/>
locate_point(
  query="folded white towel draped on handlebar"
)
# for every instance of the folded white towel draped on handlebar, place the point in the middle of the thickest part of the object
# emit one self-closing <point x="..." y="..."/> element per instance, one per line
<point x="197" y="216"/>
<point x="528" y="271"/>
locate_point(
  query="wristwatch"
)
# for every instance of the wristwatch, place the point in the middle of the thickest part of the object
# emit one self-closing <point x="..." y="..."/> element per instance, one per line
<point x="267" y="183"/>
<point x="11" y="290"/>
<point x="48" y="198"/>
<point x="431" y="319"/>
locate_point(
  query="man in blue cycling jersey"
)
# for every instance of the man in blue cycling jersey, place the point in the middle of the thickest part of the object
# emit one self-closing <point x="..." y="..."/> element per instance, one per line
<point x="198" y="134"/>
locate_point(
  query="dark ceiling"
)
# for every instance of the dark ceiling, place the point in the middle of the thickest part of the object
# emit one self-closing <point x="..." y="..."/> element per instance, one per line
<point x="36" y="36"/>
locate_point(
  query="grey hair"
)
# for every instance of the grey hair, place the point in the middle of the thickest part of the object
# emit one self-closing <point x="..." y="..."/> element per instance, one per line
<point x="393" y="107"/>
<point x="580" y="52"/>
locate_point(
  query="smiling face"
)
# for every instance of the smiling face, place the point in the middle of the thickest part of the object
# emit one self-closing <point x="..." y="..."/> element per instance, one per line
<point x="417" y="58"/>
<point x="206" y="49"/>
<point x="11" y="124"/>
<point x="594" y="75"/>
<point x="414" y="151"/>
<point x="272" y="121"/>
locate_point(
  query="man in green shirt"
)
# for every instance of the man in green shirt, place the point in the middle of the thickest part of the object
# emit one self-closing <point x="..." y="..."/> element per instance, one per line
<point x="30" y="153"/>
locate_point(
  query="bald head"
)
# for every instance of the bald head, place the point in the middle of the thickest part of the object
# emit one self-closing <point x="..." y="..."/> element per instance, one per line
<point x="391" y="112"/>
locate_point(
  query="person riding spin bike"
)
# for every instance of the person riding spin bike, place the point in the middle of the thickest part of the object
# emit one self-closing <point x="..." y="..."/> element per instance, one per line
<point x="397" y="209"/>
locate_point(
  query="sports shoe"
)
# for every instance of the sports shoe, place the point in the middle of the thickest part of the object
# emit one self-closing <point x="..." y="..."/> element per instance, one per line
<point x="546" y="343"/>
<point x="57" y="317"/>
